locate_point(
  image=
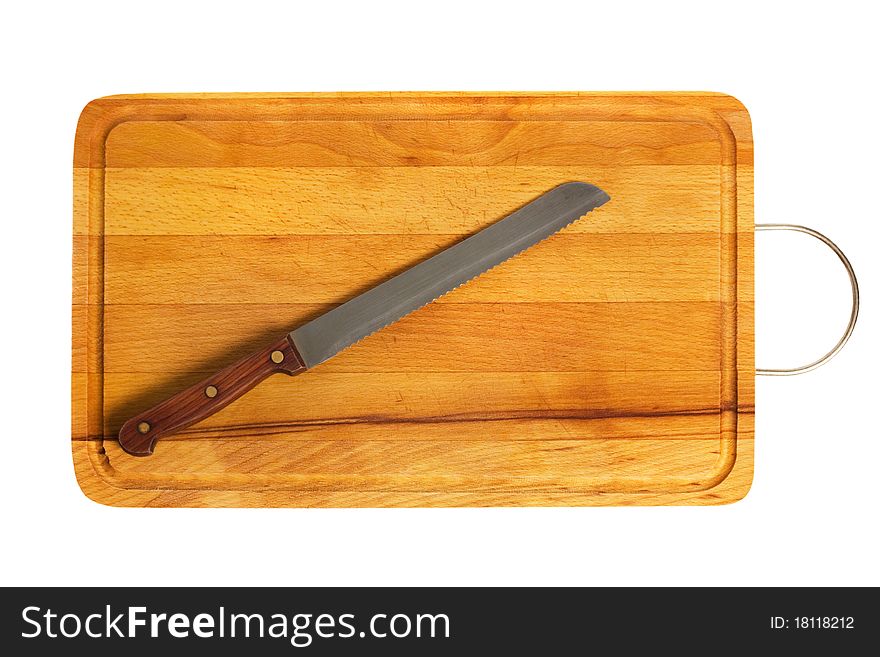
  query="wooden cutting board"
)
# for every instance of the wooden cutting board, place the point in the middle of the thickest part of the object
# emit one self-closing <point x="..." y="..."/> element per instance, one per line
<point x="611" y="364"/>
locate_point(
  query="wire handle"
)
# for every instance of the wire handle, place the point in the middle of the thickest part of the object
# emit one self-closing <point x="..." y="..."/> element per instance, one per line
<point x="854" y="315"/>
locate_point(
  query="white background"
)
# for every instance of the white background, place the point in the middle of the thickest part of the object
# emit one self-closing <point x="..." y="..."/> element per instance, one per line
<point x="806" y="72"/>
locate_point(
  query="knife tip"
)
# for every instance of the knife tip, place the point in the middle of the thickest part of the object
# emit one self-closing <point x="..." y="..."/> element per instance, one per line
<point x="587" y="192"/>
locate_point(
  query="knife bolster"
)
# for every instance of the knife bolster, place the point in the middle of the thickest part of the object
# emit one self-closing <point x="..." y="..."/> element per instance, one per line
<point x="138" y="435"/>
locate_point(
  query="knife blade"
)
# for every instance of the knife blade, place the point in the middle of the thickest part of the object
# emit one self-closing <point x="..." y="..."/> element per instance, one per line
<point x="325" y="336"/>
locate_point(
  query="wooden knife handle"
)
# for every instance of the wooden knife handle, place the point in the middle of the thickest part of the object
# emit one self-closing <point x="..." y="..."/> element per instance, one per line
<point x="140" y="433"/>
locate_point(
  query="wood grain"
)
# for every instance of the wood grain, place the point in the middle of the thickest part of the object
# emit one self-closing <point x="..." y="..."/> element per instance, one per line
<point x="612" y="364"/>
<point x="316" y="144"/>
<point x="332" y="269"/>
<point x="393" y="201"/>
<point x="522" y="336"/>
<point x="617" y="402"/>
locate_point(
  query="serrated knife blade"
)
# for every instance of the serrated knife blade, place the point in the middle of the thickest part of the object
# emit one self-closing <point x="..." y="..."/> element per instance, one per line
<point x="327" y="335"/>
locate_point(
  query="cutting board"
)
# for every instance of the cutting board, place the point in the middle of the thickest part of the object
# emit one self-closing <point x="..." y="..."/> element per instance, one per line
<point x="611" y="364"/>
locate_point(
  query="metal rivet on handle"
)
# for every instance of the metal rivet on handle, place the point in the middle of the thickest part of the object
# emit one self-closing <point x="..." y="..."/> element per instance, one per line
<point x="211" y="392"/>
<point x="143" y="427"/>
<point x="277" y="356"/>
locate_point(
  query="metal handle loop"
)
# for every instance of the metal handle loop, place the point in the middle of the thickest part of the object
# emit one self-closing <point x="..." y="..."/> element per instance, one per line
<point x="854" y="315"/>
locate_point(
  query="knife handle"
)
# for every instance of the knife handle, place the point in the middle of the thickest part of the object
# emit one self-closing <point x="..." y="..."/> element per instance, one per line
<point x="139" y="435"/>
